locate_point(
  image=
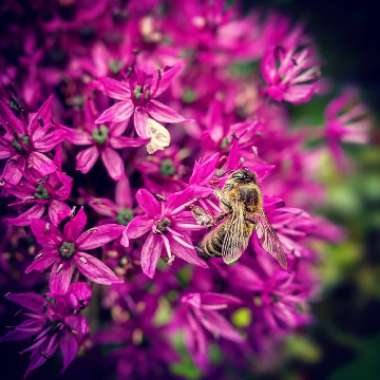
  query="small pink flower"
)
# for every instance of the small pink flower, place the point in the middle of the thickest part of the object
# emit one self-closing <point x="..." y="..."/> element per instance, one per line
<point x="168" y="226"/>
<point x="26" y="145"/>
<point x="101" y="140"/>
<point x="53" y="323"/>
<point x="290" y="74"/>
<point x="137" y="97"/>
<point x="66" y="251"/>
<point x="99" y="63"/>
<point x="275" y="296"/>
<point x="41" y="194"/>
<point x="202" y="313"/>
<point x="346" y="120"/>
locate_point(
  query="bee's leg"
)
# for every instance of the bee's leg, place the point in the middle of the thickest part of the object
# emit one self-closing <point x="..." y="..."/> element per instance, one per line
<point x="222" y="199"/>
<point x="218" y="193"/>
<point x="220" y="217"/>
<point x="202" y="217"/>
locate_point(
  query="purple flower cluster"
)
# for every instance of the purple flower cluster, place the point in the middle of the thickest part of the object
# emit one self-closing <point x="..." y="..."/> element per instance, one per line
<point x="171" y="97"/>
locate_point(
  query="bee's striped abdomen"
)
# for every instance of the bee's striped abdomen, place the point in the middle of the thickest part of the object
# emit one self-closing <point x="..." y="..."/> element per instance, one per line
<point x="213" y="242"/>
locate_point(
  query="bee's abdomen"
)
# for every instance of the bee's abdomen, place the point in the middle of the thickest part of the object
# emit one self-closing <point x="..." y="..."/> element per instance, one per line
<point x="213" y="242"/>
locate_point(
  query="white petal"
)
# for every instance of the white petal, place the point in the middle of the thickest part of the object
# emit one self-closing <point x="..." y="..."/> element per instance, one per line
<point x="160" y="137"/>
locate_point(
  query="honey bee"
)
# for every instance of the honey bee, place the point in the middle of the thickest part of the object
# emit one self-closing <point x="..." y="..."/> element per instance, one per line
<point x="242" y="202"/>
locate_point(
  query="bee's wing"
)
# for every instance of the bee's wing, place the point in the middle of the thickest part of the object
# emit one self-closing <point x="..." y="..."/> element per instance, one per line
<point x="236" y="237"/>
<point x="269" y="240"/>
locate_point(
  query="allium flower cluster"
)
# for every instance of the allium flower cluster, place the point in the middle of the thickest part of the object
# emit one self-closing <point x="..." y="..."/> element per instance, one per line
<point x="117" y="121"/>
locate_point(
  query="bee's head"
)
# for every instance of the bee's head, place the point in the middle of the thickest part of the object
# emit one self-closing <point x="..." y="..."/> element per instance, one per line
<point x="243" y="176"/>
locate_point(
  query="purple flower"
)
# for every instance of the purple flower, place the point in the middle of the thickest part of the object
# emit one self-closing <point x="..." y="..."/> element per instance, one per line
<point x="25" y="145"/>
<point x="168" y="226"/>
<point x="137" y="97"/>
<point x="53" y="322"/>
<point x="277" y="298"/>
<point x="102" y="140"/>
<point x="41" y="194"/>
<point x="202" y="313"/>
<point x="99" y="63"/>
<point x="65" y="251"/>
<point x="290" y="74"/>
<point x="346" y="120"/>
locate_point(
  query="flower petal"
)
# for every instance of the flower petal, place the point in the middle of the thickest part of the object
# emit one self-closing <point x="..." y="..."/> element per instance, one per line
<point x="69" y="349"/>
<point x="117" y="113"/>
<point x="123" y="196"/>
<point x="219" y="326"/>
<point x="46" y="234"/>
<point x="41" y="163"/>
<point x="241" y="274"/>
<point x="140" y="120"/>
<point x="95" y="270"/>
<point x="13" y="172"/>
<point x="116" y="89"/>
<point x="103" y="206"/>
<point x="138" y="226"/>
<point x="30" y="301"/>
<point x="50" y="140"/>
<point x="9" y="119"/>
<point x="113" y="163"/>
<point x="126" y="142"/>
<point x="48" y="346"/>
<point x="43" y="260"/>
<point x="86" y="159"/>
<point x="150" y="254"/>
<point x="60" y="277"/>
<point x="196" y="339"/>
<point x="75" y="226"/>
<point x="78" y="136"/>
<point x="186" y="253"/>
<point x="98" y="236"/>
<point x="25" y="218"/>
<point x="24" y="330"/>
<point x="166" y="78"/>
<point x="58" y="211"/>
<point x="148" y="202"/>
<point x="41" y="120"/>
<point x="216" y="301"/>
<point x="163" y="113"/>
<point x="204" y="170"/>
